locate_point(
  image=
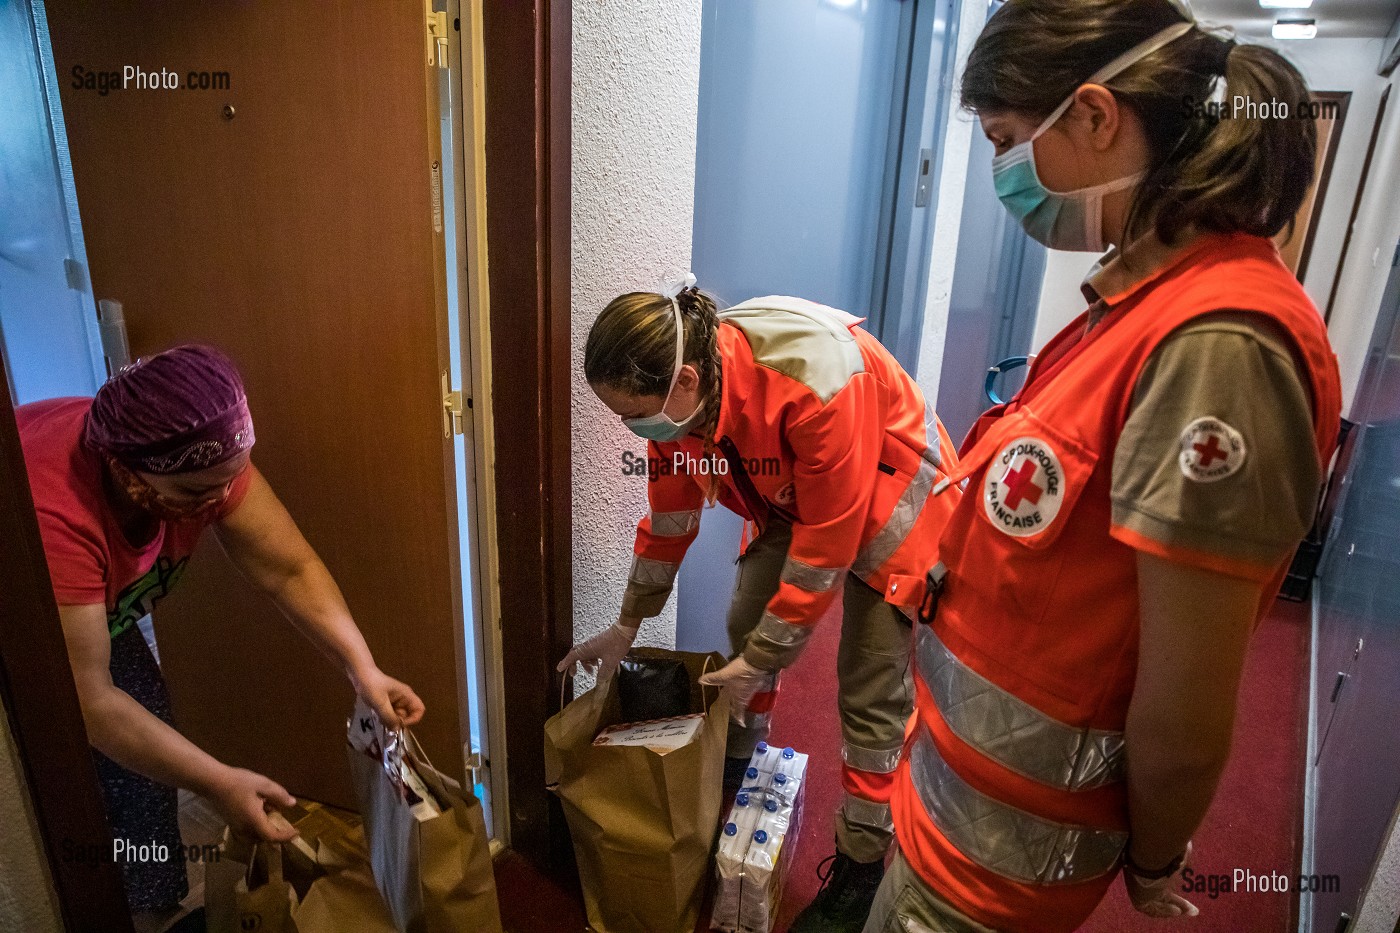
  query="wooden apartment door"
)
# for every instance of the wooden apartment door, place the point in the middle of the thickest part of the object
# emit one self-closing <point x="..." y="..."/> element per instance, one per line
<point x="281" y="204"/>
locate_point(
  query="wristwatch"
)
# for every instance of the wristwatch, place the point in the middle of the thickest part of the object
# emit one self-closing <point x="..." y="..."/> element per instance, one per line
<point x="1171" y="868"/>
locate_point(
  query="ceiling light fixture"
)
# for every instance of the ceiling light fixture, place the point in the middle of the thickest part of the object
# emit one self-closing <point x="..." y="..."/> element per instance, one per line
<point x="1295" y="29"/>
<point x="1286" y="4"/>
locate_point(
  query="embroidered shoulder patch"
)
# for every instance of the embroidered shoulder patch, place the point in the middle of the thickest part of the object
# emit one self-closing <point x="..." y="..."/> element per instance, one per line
<point x="1024" y="487"/>
<point x="1211" y="450"/>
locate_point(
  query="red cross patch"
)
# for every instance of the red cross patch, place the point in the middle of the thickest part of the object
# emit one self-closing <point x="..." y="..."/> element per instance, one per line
<point x="1210" y="450"/>
<point x="1024" y="487"/>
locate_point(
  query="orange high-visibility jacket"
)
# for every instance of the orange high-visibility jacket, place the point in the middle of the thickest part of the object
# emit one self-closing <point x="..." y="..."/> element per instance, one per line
<point x="1011" y="799"/>
<point x="833" y="436"/>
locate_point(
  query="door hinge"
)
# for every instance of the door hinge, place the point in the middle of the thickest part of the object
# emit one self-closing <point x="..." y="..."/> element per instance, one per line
<point x="76" y="275"/>
<point x="453" y="408"/>
<point x="437" y="35"/>
<point x="474" y="764"/>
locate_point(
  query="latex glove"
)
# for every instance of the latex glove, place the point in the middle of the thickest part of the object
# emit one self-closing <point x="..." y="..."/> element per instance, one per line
<point x="1159" y="898"/>
<point x="603" y="652"/>
<point x="741" y="679"/>
<point x="395" y="702"/>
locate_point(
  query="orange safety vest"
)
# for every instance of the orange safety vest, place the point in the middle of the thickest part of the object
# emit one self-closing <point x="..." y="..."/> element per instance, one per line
<point x="1010" y="801"/>
<point x="835" y="437"/>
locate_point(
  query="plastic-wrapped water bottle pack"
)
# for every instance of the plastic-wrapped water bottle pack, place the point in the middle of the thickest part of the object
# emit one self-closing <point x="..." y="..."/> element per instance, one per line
<point x="759" y="837"/>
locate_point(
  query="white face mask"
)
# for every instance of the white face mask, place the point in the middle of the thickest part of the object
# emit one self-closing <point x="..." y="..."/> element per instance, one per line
<point x="1067" y="220"/>
<point x="661" y="426"/>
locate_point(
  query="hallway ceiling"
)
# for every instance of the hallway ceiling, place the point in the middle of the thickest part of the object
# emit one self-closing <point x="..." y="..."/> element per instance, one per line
<point x="1336" y="19"/>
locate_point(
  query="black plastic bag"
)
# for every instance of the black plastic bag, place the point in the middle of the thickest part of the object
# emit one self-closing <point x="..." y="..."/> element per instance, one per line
<point x="652" y="685"/>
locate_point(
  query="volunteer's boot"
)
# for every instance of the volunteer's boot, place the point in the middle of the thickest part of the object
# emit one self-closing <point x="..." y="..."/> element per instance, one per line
<point x="843" y="903"/>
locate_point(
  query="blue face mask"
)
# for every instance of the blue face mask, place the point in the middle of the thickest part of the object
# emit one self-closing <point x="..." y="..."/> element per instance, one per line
<point x="661" y="426"/>
<point x="1067" y="220"/>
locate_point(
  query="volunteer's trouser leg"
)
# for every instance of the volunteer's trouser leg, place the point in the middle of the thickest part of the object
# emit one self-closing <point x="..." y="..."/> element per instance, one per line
<point x="904" y="900"/>
<point x="140" y="810"/>
<point x="759" y="569"/>
<point x="876" y="697"/>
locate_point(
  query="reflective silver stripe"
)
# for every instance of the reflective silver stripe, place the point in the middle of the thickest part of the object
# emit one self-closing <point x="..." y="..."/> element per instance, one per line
<point x="1011" y="731"/>
<point x="780" y="632"/>
<point x="1002" y="838"/>
<point x="866" y="812"/>
<point x="906" y="511"/>
<point x="674" y="524"/>
<point x="934" y="452"/>
<point x="871" y="760"/>
<point x="650" y="572"/>
<point x="812" y="579"/>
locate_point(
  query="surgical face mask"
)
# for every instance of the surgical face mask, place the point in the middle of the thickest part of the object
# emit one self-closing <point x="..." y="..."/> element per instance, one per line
<point x="661" y="426"/>
<point x="1067" y="220"/>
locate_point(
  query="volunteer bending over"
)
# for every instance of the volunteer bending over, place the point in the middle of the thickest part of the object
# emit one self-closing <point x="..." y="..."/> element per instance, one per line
<point x="798" y="420"/>
<point x="1130" y="514"/>
<point x="124" y="484"/>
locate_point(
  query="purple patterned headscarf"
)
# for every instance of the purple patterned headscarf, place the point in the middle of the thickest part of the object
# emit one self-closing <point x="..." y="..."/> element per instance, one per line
<point x="176" y="412"/>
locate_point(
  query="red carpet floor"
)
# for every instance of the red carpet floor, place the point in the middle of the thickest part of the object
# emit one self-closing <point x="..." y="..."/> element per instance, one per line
<point x="1255" y="823"/>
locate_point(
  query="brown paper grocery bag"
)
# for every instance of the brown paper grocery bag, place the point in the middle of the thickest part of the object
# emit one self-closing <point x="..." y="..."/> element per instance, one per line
<point x="435" y="875"/>
<point x="345" y="899"/>
<point x="244" y="890"/>
<point x="643" y="823"/>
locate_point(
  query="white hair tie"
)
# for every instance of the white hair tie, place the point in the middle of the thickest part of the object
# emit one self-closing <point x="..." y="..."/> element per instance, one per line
<point x="674" y="287"/>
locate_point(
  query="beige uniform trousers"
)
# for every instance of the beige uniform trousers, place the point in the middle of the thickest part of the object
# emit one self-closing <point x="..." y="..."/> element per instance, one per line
<point x="875" y="689"/>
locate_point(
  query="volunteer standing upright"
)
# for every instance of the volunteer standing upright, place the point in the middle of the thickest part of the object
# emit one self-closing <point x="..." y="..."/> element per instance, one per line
<point x="797" y="419"/>
<point x="1129" y="515"/>
<point x="124" y="485"/>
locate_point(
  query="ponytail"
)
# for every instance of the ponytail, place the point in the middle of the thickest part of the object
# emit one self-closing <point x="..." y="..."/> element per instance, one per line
<point x="695" y="303"/>
<point x="1248" y="173"/>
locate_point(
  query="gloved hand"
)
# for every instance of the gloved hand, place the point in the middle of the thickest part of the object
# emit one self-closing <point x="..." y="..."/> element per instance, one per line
<point x="742" y="680"/>
<point x="603" y="652"/>
<point x="1158" y="897"/>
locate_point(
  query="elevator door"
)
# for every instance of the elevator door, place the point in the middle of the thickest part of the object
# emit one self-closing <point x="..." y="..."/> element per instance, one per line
<point x="287" y="212"/>
<point x="816" y="158"/>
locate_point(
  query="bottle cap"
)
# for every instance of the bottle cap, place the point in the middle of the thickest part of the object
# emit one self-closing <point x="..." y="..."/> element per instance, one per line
<point x="780" y="779"/>
<point x="762" y="748"/>
<point x="742" y="800"/>
<point x="788" y="752"/>
<point x="760" y="837"/>
<point x="770" y="805"/>
<point x="751" y="773"/>
<point x="730" y="829"/>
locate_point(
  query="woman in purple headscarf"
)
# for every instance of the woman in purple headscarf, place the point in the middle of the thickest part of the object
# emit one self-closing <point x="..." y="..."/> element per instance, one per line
<point x="123" y="485"/>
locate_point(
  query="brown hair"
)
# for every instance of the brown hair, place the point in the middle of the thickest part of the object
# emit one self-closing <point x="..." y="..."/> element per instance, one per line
<point x="1218" y="174"/>
<point x="631" y="348"/>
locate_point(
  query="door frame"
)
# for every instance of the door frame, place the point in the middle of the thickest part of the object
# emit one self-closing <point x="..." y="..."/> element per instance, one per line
<point x="36" y="686"/>
<point x="899" y="294"/>
<point x="525" y="51"/>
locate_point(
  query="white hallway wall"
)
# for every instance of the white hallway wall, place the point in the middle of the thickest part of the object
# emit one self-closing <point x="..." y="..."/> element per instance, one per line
<point x="636" y="85"/>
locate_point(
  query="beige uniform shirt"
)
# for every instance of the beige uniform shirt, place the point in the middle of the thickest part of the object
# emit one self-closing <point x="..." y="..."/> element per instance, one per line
<point x="1252" y="504"/>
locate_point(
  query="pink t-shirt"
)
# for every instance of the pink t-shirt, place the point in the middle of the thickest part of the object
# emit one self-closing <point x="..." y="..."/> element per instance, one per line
<point x="90" y="560"/>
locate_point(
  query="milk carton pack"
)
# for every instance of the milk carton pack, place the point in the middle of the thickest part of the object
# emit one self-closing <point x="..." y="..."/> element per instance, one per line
<point x="758" y="840"/>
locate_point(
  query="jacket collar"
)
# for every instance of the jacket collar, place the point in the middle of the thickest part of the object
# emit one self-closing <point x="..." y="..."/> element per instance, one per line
<point x="1122" y="273"/>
